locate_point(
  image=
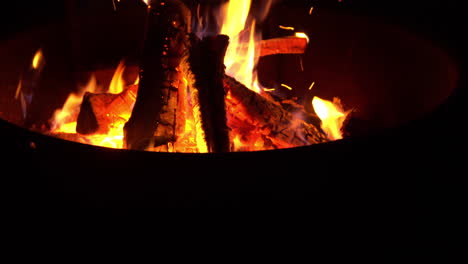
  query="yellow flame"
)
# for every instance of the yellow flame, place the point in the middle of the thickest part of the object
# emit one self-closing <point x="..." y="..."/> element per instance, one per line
<point x="240" y="61"/>
<point x="332" y="116"/>
<point x="64" y="120"/>
<point x="38" y="57"/>
<point x="69" y="128"/>
<point x="113" y="138"/>
<point x="117" y="84"/>
<point x="137" y="81"/>
<point x="302" y="35"/>
<point x="235" y="17"/>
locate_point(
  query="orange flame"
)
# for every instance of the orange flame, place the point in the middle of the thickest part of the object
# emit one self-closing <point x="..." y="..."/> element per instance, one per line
<point x="118" y="84"/>
<point x="332" y="116"/>
<point x="241" y="59"/>
<point x="64" y="120"/>
<point x="37" y="60"/>
<point x="113" y="138"/>
<point x="240" y="62"/>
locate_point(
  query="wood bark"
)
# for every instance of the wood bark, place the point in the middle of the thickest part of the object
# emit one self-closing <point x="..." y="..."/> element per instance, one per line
<point x="177" y="67"/>
<point x="99" y="111"/>
<point x="154" y="116"/>
<point x="206" y="63"/>
<point x="285" y="45"/>
<point x="280" y="123"/>
<point x="282" y="45"/>
<point x="280" y="128"/>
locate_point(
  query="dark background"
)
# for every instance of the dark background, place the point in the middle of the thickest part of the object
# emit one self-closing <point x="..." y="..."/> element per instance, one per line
<point x="439" y="18"/>
<point x="391" y="175"/>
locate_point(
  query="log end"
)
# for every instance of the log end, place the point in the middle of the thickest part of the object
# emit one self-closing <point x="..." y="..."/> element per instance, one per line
<point x="87" y="123"/>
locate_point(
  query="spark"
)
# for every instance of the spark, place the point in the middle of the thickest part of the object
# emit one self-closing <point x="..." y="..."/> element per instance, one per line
<point x="312" y="86"/>
<point x="18" y="88"/>
<point x="311" y="10"/>
<point x="301" y="63"/>
<point x="269" y="89"/>
<point x="286" y="28"/>
<point x="286" y="86"/>
<point x="113" y="4"/>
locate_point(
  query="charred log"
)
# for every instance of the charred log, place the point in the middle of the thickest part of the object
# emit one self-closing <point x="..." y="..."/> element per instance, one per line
<point x="153" y="119"/>
<point x="276" y="123"/>
<point x="207" y="65"/>
<point x="87" y="122"/>
<point x="278" y="127"/>
<point x="99" y="111"/>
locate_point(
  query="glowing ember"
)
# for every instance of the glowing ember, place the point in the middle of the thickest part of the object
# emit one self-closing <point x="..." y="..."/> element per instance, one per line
<point x="64" y="120"/>
<point x="332" y="116"/>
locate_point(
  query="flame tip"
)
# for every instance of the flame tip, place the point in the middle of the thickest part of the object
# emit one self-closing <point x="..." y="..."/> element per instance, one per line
<point x="37" y="59"/>
<point x="332" y="116"/>
<point x="302" y="35"/>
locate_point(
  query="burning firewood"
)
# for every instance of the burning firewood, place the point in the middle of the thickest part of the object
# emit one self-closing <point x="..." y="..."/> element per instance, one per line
<point x="285" y="45"/>
<point x="253" y="117"/>
<point x="182" y="76"/>
<point x="154" y="115"/>
<point x="270" y="118"/>
<point x="206" y="64"/>
<point x="277" y="46"/>
<point x="99" y="111"/>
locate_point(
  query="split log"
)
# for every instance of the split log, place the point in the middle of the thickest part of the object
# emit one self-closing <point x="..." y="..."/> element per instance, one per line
<point x="277" y="123"/>
<point x="276" y="46"/>
<point x="285" y="45"/>
<point x="252" y="115"/>
<point x="206" y="62"/>
<point x="99" y="112"/>
<point x="154" y="116"/>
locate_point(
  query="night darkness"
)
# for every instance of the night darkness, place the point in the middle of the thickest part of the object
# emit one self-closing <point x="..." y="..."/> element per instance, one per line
<point x="383" y="174"/>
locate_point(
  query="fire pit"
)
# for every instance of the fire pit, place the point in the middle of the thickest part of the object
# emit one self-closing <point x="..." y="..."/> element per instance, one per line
<point x="265" y="137"/>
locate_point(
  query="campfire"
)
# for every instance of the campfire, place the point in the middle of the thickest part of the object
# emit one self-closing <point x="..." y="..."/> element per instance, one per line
<point x="197" y="90"/>
<point x="259" y="88"/>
